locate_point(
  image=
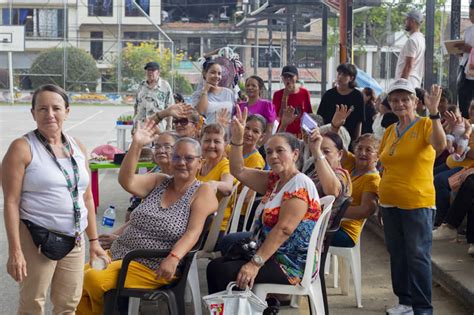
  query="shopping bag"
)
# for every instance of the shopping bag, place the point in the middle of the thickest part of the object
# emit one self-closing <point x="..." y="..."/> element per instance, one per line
<point x="230" y="302"/>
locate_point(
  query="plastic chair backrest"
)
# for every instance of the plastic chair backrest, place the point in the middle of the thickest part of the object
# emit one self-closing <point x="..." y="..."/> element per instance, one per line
<point x="316" y="242"/>
<point x="237" y="210"/>
<point x="214" y="231"/>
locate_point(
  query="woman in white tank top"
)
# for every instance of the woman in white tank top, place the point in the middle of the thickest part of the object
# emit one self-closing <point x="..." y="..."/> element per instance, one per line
<point x="47" y="186"/>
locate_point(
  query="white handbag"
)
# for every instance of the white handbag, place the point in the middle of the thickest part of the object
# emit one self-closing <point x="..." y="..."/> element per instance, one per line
<point x="234" y="303"/>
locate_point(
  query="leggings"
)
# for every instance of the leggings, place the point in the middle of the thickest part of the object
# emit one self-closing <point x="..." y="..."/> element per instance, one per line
<point x="221" y="272"/>
<point x="463" y="206"/>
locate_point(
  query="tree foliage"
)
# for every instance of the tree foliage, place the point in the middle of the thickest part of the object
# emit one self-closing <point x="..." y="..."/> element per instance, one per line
<point x="81" y="71"/>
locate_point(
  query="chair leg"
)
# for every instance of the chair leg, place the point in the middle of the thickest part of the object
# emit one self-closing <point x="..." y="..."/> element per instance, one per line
<point x="133" y="306"/>
<point x="324" y="294"/>
<point x="109" y="303"/>
<point x="295" y="301"/>
<point x="316" y="304"/>
<point x="344" y="275"/>
<point x="327" y="264"/>
<point x="356" y="275"/>
<point x="193" y="282"/>
<point x="335" y="270"/>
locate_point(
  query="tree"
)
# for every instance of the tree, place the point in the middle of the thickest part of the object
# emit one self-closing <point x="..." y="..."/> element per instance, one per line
<point x="182" y="85"/>
<point x="81" y="70"/>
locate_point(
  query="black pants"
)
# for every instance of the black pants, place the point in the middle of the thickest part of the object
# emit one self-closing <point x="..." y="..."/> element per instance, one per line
<point x="466" y="94"/>
<point x="462" y="206"/>
<point x="221" y="272"/>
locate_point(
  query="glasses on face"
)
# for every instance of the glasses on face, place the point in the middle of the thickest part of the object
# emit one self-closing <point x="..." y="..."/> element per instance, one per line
<point x="188" y="159"/>
<point x="165" y="147"/>
<point x="182" y="122"/>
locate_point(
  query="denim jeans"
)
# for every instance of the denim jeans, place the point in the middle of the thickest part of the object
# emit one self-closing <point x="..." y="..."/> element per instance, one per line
<point x="342" y="239"/>
<point x="443" y="192"/>
<point x="408" y="239"/>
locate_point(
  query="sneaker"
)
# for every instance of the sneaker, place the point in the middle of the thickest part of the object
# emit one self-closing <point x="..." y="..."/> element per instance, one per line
<point x="470" y="251"/>
<point x="400" y="309"/>
<point x="443" y="232"/>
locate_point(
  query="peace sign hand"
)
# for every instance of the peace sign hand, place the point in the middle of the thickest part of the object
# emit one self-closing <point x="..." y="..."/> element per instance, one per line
<point x="238" y="124"/>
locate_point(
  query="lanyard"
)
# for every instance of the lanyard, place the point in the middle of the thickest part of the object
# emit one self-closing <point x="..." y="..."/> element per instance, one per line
<point x="72" y="187"/>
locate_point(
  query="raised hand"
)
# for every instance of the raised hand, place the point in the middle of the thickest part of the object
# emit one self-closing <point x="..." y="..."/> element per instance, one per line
<point x="288" y="116"/>
<point x="146" y="132"/>
<point x="223" y="117"/>
<point x="238" y="124"/>
<point x="315" y="140"/>
<point x="340" y="115"/>
<point x="432" y="99"/>
<point x="179" y="110"/>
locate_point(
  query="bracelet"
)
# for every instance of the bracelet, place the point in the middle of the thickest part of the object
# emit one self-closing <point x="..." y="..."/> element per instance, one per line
<point x="435" y="116"/>
<point x="236" y="144"/>
<point x="321" y="157"/>
<point x="174" y="255"/>
<point x="93" y="239"/>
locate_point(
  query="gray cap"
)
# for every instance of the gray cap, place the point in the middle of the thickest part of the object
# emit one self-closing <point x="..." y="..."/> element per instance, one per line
<point x="402" y="84"/>
<point x="415" y="15"/>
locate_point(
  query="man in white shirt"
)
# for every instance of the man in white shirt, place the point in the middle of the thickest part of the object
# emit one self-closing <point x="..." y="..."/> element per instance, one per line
<point x="154" y="95"/>
<point x="411" y="61"/>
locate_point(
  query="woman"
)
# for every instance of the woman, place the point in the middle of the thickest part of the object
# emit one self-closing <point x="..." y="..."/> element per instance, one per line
<point x="212" y="98"/>
<point x="290" y="211"/>
<point x="293" y="98"/>
<point x="215" y="168"/>
<point x="368" y="112"/>
<point x="254" y="87"/>
<point x="189" y="126"/>
<point x="162" y="151"/>
<point x="171" y="216"/>
<point x="46" y="186"/>
<point x="345" y="93"/>
<point x="407" y="195"/>
<point x="365" y="181"/>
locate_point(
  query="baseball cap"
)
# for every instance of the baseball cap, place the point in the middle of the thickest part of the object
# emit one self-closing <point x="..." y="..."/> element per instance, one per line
<point x="291" y="70"/>
<point x="152" y="65"/>
<point x="402" y="84"/>
<point x="415" y="15"/>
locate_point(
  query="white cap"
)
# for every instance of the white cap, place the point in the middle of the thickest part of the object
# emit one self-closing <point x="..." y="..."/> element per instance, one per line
<point x="402" y="84"/>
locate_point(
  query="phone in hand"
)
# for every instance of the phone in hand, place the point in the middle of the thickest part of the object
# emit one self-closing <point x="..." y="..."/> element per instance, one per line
<point x="308" y="124"/>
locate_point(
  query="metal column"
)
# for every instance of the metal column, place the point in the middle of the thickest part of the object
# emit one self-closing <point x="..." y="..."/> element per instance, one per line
<point x="429" y="38"/>
<point x="454" y="34"/>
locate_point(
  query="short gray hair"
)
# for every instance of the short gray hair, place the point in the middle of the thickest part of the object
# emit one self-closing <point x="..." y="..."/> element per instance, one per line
<point x="194" y="142"/>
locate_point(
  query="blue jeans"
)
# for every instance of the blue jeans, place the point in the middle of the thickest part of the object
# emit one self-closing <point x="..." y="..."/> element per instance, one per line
<point x="408" y="239"/>
<point x="342" y="239"/>
<point x="443" y="191"/>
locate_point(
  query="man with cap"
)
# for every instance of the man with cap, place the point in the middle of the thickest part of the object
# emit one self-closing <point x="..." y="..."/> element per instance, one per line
<point x="411" y="61"/>
<point x="154" y="96"/>
<point x="407" y="196"/>
<point x="291" y="102"/>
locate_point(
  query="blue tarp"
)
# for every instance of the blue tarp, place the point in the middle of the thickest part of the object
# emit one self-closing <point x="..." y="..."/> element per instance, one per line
<point x="363" y="80"/>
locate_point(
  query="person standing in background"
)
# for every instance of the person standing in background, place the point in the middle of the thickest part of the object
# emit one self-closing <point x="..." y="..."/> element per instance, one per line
<point x="154" y="95"/>
<point x="411" y="61"/>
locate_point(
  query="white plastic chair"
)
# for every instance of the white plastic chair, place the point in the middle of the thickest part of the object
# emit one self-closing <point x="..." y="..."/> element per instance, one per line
<point x="237" y="209"/>
<point x="310" y="284"/>
<point x="351" y="256"/>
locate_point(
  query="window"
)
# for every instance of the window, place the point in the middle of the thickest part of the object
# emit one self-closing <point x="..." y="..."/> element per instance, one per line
<point x="263" y="55"/>
<point x="308" y="56"/>
<point x="137" y="37"/>
<point x="38" y="22"/>
<point x="132" y="10"/>
<point x="97" y="45"/>
<point x="100" y="7"/>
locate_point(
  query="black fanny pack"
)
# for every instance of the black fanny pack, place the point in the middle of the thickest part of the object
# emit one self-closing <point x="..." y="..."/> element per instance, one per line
<point x="53" y="245"/>
<point x="243" y="249"/>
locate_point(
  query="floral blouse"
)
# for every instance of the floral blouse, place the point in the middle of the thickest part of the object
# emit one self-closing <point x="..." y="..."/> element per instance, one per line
<point x="292" y="253"/>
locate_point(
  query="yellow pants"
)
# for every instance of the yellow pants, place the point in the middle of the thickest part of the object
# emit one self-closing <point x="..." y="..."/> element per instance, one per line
<point x="97" y="282"/>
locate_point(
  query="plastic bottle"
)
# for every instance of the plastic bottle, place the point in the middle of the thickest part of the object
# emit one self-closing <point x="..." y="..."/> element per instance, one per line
<point x="108" y="220"/>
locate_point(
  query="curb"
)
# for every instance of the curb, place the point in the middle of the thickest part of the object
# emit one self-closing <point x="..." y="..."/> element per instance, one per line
<point x="440" y="276"/>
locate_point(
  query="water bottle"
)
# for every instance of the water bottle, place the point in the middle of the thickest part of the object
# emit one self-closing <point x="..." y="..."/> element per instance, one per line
<point x="108" y="220"/>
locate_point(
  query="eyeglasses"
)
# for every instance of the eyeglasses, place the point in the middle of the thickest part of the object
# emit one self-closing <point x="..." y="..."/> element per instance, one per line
<point x="188" y="159"/>
<point x="182" y="122"/>
<point x="166" y="147"/>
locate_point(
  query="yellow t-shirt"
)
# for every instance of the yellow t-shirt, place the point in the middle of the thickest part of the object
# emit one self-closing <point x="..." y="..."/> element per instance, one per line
<point x="467" y="162"/>
<point x="349" y="162"/>
<point x="407" y="179"/>
<point x="368" y="182"/>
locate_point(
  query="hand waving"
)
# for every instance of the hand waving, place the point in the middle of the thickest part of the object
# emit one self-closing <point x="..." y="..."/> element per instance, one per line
<point x="145" y="132"/>
<point x="341" y="114"/>
<point x="223" y="117"/>
<point x="432" y="100"/>
<point x="288" y="116"/>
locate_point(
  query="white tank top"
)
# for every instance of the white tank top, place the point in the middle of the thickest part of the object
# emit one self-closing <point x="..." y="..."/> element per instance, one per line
<point x="45" y="197"/>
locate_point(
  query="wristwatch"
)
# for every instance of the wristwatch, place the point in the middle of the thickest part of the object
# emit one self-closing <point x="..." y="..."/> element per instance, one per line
<point x="258" y="260"/>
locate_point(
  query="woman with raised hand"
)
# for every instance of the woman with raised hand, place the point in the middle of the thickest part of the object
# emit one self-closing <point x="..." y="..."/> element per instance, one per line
<point x="212" y="98"/>
<point x="48" y="208"/>
<point x="171" y="216"/>
<point x="290" y="211"/>
<point x="188" y="126"/>
<point x="407" y="195"/>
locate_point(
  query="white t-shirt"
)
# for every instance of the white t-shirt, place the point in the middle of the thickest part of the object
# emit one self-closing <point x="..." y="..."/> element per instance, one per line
<point x="224" y="99"/>
<point x="468" y="39"/>
<point x="414" y="47"/>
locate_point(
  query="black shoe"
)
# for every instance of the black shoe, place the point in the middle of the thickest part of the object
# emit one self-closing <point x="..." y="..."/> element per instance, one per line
<point x="273" y="306"/>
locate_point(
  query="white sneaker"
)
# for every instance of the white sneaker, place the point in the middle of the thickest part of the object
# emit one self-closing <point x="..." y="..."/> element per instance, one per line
<point x="470" y="251"/>
<point x="444" y="232"/>
<point x="400" y="309"/>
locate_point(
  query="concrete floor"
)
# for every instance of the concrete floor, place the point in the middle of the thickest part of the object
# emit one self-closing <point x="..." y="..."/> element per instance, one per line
<point x="94" y="125"/>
